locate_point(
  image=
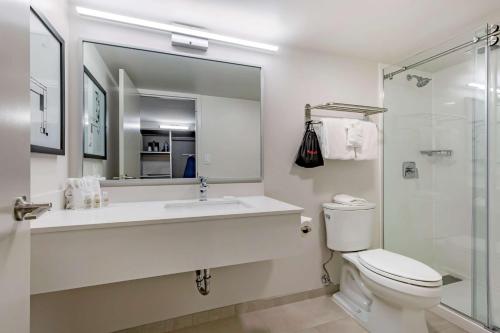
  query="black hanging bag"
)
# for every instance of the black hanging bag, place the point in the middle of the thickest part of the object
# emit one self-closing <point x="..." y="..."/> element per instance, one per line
<point x="309" y="155"/>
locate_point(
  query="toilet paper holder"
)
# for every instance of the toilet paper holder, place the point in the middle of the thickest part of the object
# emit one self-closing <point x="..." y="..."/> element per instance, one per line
<point x="305" y="225"/>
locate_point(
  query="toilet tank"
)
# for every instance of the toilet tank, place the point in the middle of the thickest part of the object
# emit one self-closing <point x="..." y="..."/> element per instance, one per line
<point x="349" y="228"/>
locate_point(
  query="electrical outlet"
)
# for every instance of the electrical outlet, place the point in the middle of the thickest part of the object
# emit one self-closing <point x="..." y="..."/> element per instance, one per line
<point x="206" y="158"/>
<point x="325" y="280"/>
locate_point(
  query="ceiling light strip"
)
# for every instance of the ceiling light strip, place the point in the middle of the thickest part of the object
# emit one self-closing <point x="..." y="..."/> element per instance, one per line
<point x="174" y="127"/>
<point x="173" y="28"/>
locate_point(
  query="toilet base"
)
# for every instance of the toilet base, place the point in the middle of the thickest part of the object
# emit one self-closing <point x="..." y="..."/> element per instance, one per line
<point x="394" y="313"/>
<point x="394" y="319"/>
<point x="353" y="310"/>
<point x="382" y="317"/>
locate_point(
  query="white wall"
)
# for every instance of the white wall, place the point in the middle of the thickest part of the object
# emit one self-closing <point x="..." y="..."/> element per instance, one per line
<point x="96" y="65"/>
<point x="130" y="139"/>
<point x="48" y="172"/>
<point x="292" y="78"/>
<point x="156" y="111"/>
<point x="229" y="138"/>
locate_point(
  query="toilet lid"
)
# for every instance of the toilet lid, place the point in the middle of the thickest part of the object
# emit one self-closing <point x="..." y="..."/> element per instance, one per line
<point x="400" y="268"/>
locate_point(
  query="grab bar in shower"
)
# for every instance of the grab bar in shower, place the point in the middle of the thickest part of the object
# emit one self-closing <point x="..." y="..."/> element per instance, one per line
<point x="439" y="152"/>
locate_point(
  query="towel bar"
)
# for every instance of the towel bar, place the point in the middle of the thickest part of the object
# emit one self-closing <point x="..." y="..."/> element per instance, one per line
<point x="340" y="107"/>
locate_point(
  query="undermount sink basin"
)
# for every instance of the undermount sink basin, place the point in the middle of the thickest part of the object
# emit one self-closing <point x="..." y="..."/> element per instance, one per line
<point x="229" y="203"/>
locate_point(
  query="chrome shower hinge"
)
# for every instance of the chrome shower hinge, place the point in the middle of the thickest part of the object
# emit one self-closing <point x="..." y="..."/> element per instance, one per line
<point x="493" y="28"/>
<point x="493" y="40"/>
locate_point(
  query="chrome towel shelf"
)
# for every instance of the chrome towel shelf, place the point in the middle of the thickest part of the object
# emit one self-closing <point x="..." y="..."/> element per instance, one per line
<point x="366" y="110"/>
<point x="439" y="152"/>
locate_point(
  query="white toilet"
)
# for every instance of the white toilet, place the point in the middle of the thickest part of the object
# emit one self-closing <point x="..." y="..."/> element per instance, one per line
<point x="386" y="292"/>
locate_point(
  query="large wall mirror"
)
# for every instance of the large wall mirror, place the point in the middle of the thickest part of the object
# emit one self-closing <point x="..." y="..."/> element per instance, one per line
<point x="152" y="117"/>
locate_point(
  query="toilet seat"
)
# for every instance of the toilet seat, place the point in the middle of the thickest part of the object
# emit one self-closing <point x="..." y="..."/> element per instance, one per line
<point x="397" y="286"/>
<point x="381" y="303"/>
<point x="399" y="268"/>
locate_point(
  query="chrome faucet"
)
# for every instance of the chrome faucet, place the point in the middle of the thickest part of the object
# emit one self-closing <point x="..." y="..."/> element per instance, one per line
<point x="203" y="188"/>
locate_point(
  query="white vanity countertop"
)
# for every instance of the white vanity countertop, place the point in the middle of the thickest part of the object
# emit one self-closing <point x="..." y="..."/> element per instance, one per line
<point x="154" y="212"/>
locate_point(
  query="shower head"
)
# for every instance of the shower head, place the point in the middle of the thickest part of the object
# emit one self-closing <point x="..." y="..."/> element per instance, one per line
<point x="421" y="81"/>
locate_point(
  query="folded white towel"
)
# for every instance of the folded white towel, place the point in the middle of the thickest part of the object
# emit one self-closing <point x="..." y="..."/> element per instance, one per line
<point x="369" y="146"/>
<point x="346" y="199"/>
<point x="354" y="133"/>
<point x="334" y="139"/>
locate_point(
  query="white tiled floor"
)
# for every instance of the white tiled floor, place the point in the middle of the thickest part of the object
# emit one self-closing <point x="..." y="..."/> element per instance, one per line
<point x="458" y="296"/>
<point x="316" y="315"/>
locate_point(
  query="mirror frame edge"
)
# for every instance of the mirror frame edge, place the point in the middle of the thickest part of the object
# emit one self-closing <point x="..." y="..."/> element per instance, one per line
<point x="78" y="168"/>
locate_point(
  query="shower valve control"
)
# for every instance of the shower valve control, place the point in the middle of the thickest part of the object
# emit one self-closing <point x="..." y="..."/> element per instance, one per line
<point x="410" y="170"/>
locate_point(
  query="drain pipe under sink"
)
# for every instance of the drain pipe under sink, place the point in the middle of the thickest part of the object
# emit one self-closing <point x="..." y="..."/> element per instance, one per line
<point x="203" y="281"/>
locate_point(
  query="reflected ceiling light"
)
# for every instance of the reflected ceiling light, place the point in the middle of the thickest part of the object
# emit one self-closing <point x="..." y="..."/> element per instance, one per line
<point x="173" y="28"/>
<point x="477" y="85"/>
<point x="480" y="86"/>
<point x="131" y="125"/>
<point x="175" y="127"/>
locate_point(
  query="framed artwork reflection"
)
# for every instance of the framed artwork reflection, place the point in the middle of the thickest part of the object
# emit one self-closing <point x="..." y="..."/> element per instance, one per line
<point x="94" y="117"/>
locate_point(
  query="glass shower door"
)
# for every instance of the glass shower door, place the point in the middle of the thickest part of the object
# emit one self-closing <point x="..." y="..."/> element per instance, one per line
<point x="437" y="126"/>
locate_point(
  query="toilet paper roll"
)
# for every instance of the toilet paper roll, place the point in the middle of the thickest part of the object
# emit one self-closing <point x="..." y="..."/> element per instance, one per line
<point x="305" y="226"/>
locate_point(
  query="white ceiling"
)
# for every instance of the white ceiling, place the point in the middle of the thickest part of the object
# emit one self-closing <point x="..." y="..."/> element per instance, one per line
<point x="381" y="30"/>
<point x="167" y="111"/>
<point x="160" y="71"/>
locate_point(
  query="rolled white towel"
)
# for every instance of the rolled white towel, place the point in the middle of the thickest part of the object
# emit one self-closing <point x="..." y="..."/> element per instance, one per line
<point x="346" y="199"/>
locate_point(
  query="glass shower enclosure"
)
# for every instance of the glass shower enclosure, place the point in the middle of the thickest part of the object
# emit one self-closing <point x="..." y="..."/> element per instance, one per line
<point x="442" y="168"/>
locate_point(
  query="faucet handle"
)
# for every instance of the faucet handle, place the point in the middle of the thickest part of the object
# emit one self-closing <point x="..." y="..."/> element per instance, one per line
<point x="203" y="188"/>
